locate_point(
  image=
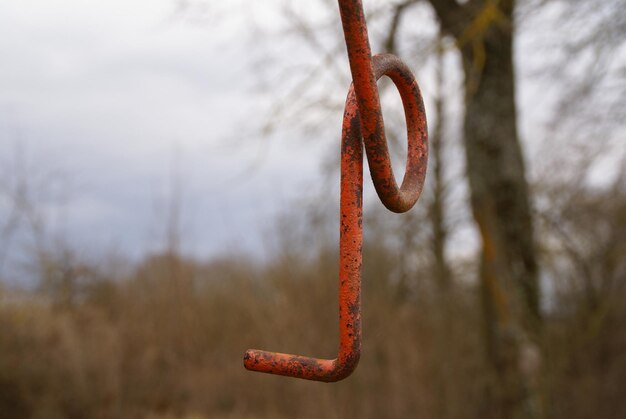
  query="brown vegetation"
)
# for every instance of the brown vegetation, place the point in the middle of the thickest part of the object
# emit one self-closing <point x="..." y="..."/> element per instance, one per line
<point x="166" y="341"/>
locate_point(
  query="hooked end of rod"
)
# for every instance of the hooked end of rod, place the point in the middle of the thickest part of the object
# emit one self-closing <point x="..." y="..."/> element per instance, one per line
<point x="326" y="370"/>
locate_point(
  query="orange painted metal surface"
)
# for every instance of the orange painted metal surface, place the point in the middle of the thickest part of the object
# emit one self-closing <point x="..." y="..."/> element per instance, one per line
<point x="362" y="125"/>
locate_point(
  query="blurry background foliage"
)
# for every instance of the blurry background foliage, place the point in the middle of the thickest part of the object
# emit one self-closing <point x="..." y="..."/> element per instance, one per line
<point x="501" y="295"/>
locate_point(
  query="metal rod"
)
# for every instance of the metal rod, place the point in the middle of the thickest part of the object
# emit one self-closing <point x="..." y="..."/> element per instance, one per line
<point x="362" y="124"/>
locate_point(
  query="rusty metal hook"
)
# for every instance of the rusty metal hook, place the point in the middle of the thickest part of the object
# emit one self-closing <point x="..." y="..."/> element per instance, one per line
<point x="362" y="119"/>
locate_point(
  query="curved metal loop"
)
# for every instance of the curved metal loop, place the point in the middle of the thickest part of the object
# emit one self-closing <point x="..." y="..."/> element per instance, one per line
<point x="399" y="199"/>
<point x="362" y="124"/>
<point x="364" y="76"/>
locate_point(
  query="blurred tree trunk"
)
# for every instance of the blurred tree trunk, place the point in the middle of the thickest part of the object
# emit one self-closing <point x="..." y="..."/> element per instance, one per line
<point x="483" y="31"/>
<point x="441" y="269"/>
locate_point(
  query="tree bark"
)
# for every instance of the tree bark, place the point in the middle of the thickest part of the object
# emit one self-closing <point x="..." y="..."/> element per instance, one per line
<point x="483" y="30"/>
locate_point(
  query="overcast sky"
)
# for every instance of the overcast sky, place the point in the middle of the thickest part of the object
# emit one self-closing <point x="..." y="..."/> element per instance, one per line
<point x="104" y="102"/>
<point x="110" y="98"/>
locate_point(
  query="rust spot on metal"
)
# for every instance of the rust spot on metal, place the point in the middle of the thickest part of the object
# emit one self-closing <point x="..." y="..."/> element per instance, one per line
<point x="363" y="127"/>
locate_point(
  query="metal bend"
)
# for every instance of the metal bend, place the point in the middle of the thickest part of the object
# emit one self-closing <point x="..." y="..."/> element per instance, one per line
<point x="364" y="76"/>
<point x="399" y="199"/>
<point x="351" y="229"/>
<point x="350" y="257"/>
